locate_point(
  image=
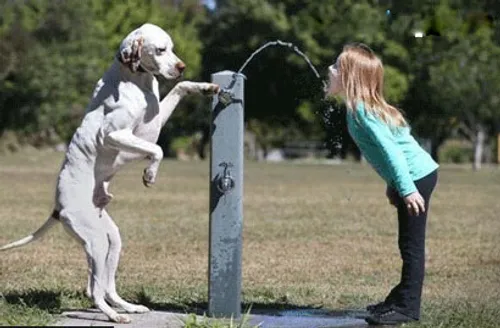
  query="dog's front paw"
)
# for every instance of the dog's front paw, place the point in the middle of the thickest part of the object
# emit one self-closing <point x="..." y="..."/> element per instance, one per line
<point x="137" y="309"/>
<point x="148" y="177"/>
<point x="120" y="318"/>
<point x="209" y="89"/>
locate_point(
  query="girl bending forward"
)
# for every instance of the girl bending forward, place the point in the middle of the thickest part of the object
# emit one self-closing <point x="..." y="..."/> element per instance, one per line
<point x="383" y="137"/>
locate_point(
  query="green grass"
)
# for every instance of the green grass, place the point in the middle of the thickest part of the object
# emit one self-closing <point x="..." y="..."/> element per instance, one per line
<point x="314" y="236"/>
<point x="194" y="321"/>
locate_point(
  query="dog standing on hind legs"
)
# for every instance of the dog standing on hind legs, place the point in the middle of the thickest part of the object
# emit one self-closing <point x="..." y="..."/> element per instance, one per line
<point x="122" y="124"/>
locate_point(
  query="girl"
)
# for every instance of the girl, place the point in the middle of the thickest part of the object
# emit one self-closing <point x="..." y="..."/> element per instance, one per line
<point x="383" y="136"/>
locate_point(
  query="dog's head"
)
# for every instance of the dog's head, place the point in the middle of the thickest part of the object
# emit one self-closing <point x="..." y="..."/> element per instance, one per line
<point x="151" y="49"/>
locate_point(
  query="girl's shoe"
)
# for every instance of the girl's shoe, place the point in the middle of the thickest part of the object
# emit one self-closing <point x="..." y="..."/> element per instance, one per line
<point x="389" y="316"/>
<point x="373" y="308"/>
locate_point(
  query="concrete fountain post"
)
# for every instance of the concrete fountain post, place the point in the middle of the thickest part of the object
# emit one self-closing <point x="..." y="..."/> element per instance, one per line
<point x="226" y="196"/>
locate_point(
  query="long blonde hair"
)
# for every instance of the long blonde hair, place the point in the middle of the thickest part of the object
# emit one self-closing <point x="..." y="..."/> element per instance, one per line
<point x="362" y="78"/>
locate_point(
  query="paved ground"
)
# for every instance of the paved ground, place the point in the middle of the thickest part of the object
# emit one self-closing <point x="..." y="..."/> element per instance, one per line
<point x="160" y="319"/>
<point x="306" y="322"/>
<point x="153" y="319"/>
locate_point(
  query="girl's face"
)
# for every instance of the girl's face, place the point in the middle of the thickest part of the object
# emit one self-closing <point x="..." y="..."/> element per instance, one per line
<point x="334" y="81"/>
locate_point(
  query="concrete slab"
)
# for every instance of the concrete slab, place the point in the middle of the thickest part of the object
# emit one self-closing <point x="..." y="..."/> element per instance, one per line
<point x="162" y="319"/>
<point x="309" y="318"/>
<point x="92" y="318"/>
<point x="264" y="321"/>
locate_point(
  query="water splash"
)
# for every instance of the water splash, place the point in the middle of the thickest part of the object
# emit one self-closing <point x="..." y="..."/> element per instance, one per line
<point x="331" y="118"/>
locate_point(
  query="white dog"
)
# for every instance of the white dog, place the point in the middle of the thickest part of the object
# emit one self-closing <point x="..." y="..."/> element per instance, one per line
<point x="122" y="124"/>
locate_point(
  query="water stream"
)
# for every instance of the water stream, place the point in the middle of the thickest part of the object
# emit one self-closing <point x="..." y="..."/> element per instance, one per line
<point x="330" y="115"/>
<point x="288" y="45"/>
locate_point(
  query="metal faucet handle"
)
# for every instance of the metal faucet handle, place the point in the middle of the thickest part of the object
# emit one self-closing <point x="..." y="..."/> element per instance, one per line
<point x="226" y="165"/>
<point x="225" y="97"/>
<point x="225" y="182"/>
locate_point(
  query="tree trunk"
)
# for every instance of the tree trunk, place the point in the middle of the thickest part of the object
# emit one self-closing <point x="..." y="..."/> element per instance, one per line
<point x="479" y="146"/>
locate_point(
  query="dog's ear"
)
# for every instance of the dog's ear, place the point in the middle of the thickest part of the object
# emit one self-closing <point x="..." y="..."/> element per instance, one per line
<point x="131" y="53"/>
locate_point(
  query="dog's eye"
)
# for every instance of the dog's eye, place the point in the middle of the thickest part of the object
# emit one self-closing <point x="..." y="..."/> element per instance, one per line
<point x="160" y="50"/>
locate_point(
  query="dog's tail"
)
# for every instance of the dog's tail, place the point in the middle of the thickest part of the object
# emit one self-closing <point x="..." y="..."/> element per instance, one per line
<point x="51" y="221"/>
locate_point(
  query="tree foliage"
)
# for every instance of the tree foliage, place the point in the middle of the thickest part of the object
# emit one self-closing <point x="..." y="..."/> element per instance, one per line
<point x="56" y="50"/>
<point x="53" y="51"/>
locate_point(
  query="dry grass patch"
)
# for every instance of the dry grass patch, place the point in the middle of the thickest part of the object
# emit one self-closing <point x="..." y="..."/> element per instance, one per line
<point x="313" y="235"/>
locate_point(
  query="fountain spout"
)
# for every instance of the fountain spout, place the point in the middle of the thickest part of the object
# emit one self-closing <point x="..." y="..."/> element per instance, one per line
<point x="225" y="97"/>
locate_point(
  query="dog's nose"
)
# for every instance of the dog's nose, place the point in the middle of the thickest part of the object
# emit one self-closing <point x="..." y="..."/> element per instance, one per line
<point x="180" y="66"/>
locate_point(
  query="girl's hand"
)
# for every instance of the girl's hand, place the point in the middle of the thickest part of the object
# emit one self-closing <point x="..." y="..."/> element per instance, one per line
<point x="415" y="203"/>
<point x="392" y="196"/>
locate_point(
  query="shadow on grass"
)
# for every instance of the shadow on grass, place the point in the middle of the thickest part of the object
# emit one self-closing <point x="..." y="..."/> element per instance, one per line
<point x="51" y="301"/>
<point x="42" y="299"/>
<point x="54" y="301"/>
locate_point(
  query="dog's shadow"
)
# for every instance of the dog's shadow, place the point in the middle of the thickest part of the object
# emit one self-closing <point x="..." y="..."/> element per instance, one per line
<point x="42" y="299"/>
<point x="52" y="302"/>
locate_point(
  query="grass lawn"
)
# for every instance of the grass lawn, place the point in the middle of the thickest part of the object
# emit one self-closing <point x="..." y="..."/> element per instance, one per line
<point x="314" y="235"/>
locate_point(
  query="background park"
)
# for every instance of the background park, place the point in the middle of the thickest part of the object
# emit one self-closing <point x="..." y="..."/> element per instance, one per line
<point x="318" y="230"/>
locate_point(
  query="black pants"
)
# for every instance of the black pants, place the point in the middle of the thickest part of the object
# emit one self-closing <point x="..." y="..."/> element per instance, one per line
<point x="406" y="296"/>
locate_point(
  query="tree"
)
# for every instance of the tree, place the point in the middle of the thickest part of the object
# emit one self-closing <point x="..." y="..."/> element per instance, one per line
<point x="57" y="50"/>
<point x="281" y="90"/>
<point x="449" y="84"/>
<point x="467" y="86"/>
<point x="434" y="102"/>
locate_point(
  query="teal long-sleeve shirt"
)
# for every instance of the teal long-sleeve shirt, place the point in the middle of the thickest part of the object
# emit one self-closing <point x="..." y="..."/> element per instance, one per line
<point x="392" y="151"/>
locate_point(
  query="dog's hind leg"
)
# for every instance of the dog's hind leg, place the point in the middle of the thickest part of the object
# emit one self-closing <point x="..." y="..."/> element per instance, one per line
<point x="88" y="291"/>
<point x="94" y="239"/>
<point x="112" y="260"/>
<point x="97" y="249"/>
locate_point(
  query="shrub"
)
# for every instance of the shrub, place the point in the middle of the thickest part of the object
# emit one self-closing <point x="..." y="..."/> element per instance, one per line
<point x="456" y="151"/>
